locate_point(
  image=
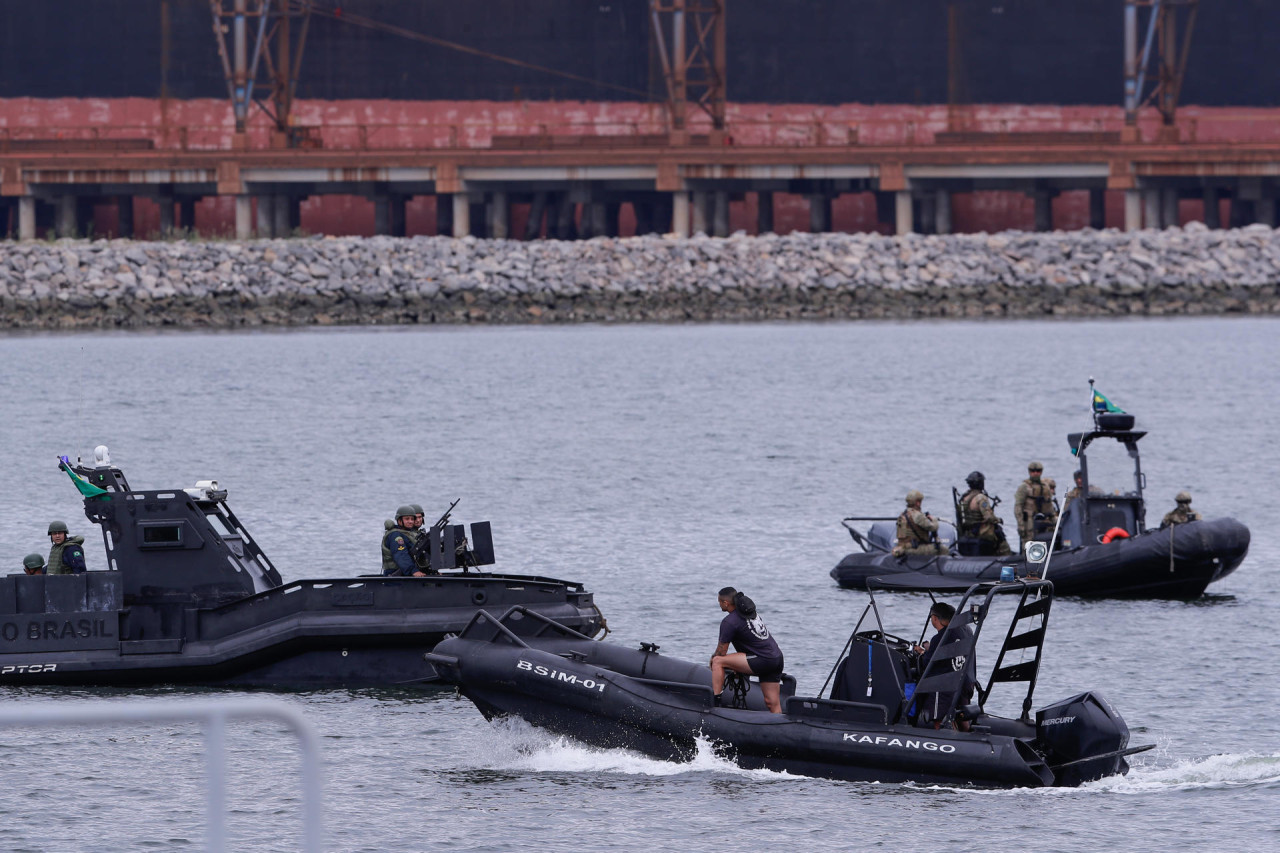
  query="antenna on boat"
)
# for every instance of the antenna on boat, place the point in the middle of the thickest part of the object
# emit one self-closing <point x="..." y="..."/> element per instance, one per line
<point x="1044" y="575"/>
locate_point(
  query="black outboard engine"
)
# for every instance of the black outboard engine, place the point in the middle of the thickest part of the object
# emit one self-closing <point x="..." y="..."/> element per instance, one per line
<point x="1075" y="729"/>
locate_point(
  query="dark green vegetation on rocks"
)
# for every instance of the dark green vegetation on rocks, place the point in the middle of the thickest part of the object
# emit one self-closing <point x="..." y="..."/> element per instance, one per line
<point x="383" y="280"/>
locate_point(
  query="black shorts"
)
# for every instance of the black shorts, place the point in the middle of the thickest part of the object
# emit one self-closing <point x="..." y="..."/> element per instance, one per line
<point x="766" y="669"/>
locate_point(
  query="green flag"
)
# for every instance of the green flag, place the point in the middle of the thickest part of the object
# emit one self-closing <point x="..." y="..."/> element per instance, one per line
<point x="89" y="490"/>
<point x="1102" y="404"/>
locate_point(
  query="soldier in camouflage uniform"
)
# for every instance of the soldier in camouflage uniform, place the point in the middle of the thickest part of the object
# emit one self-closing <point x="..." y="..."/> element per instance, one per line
<point x="917" y="531"/>
<point x="1182" y="513"/>
<point x="978" y="518"/>
<point x="1033" y="504"/>
<point x="1077" y="490"/>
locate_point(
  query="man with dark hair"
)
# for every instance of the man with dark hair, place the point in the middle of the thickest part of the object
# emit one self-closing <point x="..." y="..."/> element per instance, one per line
<point x="935" y="707"/>
<point x="757" y="652"/>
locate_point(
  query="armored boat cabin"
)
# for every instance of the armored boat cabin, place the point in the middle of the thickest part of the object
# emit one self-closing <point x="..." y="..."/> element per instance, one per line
<point x="187" y="595"/>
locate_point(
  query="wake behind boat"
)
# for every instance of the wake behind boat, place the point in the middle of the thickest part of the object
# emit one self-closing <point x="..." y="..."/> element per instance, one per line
<point x="868" y="729"/>
<point x="1103" y="546"/>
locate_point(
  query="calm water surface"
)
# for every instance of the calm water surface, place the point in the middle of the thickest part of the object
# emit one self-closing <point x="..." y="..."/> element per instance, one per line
<point x="657" y="464"/>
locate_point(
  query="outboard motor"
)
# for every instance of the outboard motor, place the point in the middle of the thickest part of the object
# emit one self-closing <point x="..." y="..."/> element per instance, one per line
<point x="1074" y="730"/>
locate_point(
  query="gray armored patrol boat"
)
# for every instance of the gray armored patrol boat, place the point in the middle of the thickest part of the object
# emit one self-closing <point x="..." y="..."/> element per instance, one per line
<point x="189" y="597"/>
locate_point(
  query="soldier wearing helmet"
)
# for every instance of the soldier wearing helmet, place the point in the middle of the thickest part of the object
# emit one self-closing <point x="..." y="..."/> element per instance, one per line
<point x="66" y="557"/>
<point x="917" y="530"/>
<point x="397" y="544"/>
<point x="1033" y="505"/>
<point x="1078" y="489"/>
<point x="978" y="518"/>
<point x="33" y="564"/>
<point x="1182" y="513"/>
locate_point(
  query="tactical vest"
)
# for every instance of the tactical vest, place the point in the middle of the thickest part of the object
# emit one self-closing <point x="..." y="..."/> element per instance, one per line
<point x="971" y="517"/>
<point x="388" y="562"/>
<point x="910" y="534"/>
<point x="1038" y="500"/>
<point x="54" y="566"/>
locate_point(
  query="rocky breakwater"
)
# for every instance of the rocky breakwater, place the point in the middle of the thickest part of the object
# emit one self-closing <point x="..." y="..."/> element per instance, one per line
<point x="382" y="280"/>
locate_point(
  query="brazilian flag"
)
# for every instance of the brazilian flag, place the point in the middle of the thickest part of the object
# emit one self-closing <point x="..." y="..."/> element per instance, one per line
<point x="1102" y="405"/>
<point x="89" y="490"/>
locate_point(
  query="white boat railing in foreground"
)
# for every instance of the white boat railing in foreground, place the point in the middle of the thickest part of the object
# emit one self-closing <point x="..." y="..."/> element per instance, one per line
<point x="213" y="714"/>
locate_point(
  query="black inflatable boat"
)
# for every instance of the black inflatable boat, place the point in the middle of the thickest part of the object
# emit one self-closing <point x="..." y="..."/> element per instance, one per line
<point x="187" y="596"/>
<point x="1103" y="546"/>
<point x="864" y="730"/>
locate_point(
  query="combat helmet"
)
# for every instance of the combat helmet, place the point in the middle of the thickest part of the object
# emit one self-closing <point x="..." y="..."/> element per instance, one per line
<point x="1035" y="466"/>
<point x="58" y="527"/>
<point x="33" y="561"/>
<point x="405" y="509"/>
<point x="914" y="497"/>
<point x="975" y="480"/>
<point x="1183" y="497"/>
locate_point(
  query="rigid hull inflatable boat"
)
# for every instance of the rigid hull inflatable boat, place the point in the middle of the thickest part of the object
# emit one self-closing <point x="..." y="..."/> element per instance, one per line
<point x="615" y="697"/>
<point x="189" y="597"/>
<point x="1103" y="546"/>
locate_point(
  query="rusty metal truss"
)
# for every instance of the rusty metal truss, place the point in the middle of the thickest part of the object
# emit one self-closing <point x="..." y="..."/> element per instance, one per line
<point x="689" y="36"/>
<point x="267" y="73"/>
<point x="1164" y="19"/>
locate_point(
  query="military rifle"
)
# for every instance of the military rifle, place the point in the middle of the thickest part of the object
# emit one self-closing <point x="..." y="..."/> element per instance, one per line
<point x="420" y="551"/>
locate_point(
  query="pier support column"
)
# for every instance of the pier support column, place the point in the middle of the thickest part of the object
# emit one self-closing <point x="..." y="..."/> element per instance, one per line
<point x="1044" y="209"/>
<point x="538" y="209"/>
<point x="244" y="217"/>
<point x="1212" y="216"/>
<point x="499" y="216"/>
<point x="166" y="215"/>
<point x="1132" y="210"/>
<point x="679" y="214"/>
<point x="27" y="217"/>
<point x="927" y="220"/>
<point x="942" y="211"/>
<point x="266" y="216"/>
<point x="1266" y="210"/>
<point x="612" y="218"/>
<point x="1151" y="208"/>
<point x="282" y="216"/>
<point x="444" y="214"/>
<point x="1168" y="208"/>
<point x="699" y="212"/>
<point x="560" y="224"/>
<point x="1241" y="212"/>
<point x="461" y="215"/>
<point x="819" y="213"/>
<point x="764" y="213"/>
<point x="902" y="212"/>
<point x="187" y="209"/>
<point x="1097" y="209"/>
<point x="66" y="216"/>
<point x="124" y="216"/>
<point x="720" y="213"/>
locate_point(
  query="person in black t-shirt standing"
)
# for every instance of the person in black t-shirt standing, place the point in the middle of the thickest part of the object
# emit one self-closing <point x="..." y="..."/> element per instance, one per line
<point x="757" y="652"/>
